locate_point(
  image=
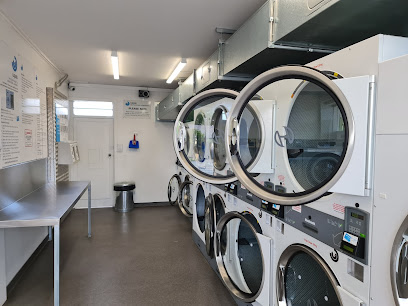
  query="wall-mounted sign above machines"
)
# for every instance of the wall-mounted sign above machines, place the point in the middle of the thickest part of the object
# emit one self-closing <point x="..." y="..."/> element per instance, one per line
<point x="68" y="153"/>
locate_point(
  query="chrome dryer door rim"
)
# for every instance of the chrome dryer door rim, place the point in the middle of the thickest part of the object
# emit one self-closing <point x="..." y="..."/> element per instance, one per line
<point x="245" y="297"/>
<point x="179" y="143"/>
<point x="232" y="132"/>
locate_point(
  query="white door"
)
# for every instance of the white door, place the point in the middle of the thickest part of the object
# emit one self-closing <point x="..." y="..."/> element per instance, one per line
<point x="95" y="143"/>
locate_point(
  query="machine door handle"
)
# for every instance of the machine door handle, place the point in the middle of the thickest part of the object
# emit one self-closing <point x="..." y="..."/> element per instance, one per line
<point x="281" y="284"/>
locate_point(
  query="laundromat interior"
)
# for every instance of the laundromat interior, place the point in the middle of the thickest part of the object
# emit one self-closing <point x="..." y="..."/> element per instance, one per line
<point x="234" y="152"/>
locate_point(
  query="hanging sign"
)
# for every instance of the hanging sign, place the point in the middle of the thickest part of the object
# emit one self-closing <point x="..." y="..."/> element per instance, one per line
<point x="137" y="109"/>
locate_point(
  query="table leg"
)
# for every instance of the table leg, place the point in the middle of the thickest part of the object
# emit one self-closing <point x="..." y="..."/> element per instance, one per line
<point x="89" y="211"/>
<point x="56" y="264"/>
<point x="50" y="233"/>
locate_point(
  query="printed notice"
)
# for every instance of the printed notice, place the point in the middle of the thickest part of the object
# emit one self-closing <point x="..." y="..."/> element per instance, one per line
<point x="137" y="109"/>
<point x="23" y="123"/>
<point x="10" y="84"/>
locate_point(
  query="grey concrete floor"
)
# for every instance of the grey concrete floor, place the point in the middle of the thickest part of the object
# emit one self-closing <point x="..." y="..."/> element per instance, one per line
<point x="145" y="257"/>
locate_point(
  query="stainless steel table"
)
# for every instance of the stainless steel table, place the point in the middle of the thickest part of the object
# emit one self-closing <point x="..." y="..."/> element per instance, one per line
<point x="46" y="207"/>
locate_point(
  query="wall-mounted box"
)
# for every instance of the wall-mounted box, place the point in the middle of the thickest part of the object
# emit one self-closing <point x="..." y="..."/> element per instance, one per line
<point x="68" y="153"/>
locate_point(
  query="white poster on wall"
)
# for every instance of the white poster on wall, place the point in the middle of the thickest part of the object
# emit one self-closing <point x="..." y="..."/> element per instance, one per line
<point x="137" y="109"/>
<point x="30" y="111"/>
<point x="23" y="125"/>
<point x="10" y="96"/>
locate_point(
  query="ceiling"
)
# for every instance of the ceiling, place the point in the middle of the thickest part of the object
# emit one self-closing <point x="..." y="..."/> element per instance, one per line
<point x="151" y="36"/>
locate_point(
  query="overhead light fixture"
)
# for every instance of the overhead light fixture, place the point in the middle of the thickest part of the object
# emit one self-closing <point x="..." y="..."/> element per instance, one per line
<point x="115" y="65"/>
<point x="176" y="71"/>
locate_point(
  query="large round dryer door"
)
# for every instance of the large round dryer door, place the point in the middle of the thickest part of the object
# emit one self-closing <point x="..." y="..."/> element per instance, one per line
<point x="239" y="255"/>
<point x="209" y="225"/>
<point x="399" y="265"/>
<point x="312" y="135"/>
<point x="200" y="207"/>
<point x="199" y="136"/>
<point x="303" y="278"/>
<point x="214" y="211"/>
<point x="173" y="189"/>
<point x="185" y="198"/>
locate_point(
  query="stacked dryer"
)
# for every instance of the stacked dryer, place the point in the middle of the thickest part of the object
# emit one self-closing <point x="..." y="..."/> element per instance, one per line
<point x="339" y="139"/>
<point x="333" y="179"/>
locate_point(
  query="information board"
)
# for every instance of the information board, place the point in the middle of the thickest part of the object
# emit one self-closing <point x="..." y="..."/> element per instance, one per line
<point x="23" y="125"/>
<point x="137" y="109"/>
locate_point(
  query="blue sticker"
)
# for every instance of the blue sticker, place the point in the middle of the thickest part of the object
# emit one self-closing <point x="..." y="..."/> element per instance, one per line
<point x="14" y="64"/>
<point x="127" y="103"/>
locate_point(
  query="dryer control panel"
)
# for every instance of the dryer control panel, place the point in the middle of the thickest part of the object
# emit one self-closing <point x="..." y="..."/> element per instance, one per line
<point x="355" y="234"/>
<point x="335" y="232"/>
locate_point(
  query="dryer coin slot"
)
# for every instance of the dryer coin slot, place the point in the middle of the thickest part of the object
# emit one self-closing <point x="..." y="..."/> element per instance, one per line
<point x="355" y="269"/>
<point x="310" y="226"/>
<point x="249" y="196"/>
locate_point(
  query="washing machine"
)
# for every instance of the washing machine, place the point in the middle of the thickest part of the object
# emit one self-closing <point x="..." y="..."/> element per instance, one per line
<point x="389" y="266"/>
<point x="309" y="266"/>
<point x="200" y="192"/>
<point x="244" y="248"/>
<point x="207" y="113"/>
<point x="185" y="195"/>
<point x="173" y="188"/>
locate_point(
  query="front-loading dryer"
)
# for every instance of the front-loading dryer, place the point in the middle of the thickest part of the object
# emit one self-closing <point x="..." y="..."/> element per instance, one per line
<point x="204" y="117"/>
<point x="173" y="188"/>
<point x="310" y="272"/>
<point x="200" y="192"/>
<point x="243" y="246"/>
<point x="244" y="253"/>
<point x="185" y="196"/>
<point x="320" y="135"/>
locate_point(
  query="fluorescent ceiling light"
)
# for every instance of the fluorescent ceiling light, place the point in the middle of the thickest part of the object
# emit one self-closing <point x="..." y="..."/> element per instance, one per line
<point x="176" y="71"/>
<point x="115" y="65"/>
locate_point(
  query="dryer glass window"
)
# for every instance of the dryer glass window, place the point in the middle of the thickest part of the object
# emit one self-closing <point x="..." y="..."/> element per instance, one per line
<point x="173" y="188"/>
<point x="319" y="136"/>
<point x="306" y="283"/>
<point x="200" y="137"/>
<point x="203" y="130"/>
<point x="219" y="207"/>
<point x="218" y="122"/>
<point x="241" y="256"/>
<point x="200" y="207"/>
<point x="250" y="136"/>
<point x="301" y="133"/>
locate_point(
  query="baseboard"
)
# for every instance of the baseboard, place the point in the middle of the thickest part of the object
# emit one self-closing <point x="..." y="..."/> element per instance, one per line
<point x="26" y="265"/>
<point x="152" y="204"/>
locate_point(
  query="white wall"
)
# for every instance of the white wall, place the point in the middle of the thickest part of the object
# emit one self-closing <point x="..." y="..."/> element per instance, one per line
<point x="19" y="244"/>
<point x="153" y="164"/>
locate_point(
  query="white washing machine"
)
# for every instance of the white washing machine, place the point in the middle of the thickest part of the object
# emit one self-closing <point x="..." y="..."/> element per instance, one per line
<point x="200" y="192"/>
<point x="185" y="196"/>
<point x="365" y="117"/>
<point x="244" y="243"/>
<point x="309" y="269"/>
<point x="389" y="281"/>
<point x="173" y="188"/>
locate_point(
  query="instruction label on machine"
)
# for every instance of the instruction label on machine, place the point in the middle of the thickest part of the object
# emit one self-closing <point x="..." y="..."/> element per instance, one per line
<point x="137" y="109"/>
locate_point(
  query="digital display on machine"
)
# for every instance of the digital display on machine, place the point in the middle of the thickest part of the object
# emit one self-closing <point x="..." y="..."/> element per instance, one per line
<point x="347" y="248"/>
<point x="357" y="216"/>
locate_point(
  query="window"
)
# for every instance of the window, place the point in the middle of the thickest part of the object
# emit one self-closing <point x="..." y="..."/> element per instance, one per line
<point x="93" y="108"/>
